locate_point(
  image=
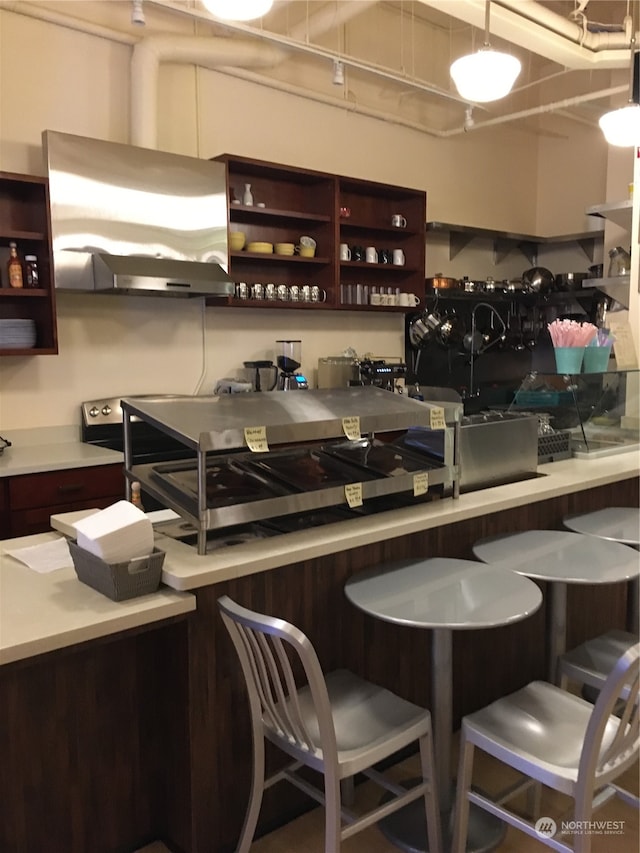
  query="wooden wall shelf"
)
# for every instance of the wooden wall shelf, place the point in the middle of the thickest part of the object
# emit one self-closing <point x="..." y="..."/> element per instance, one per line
<point x="299" y="202"/>
<point x="24" y="219"/>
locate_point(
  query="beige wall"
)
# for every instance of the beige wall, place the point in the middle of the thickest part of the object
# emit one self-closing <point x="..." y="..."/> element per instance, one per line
<point x="500" y="178"/>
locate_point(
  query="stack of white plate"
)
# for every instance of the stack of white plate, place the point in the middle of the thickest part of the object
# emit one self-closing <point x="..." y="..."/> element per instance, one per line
<point x="17" y="334"/>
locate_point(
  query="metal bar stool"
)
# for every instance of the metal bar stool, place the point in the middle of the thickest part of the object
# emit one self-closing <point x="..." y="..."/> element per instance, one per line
<point x="560" y="557"/>
<point x="592" y="661"/>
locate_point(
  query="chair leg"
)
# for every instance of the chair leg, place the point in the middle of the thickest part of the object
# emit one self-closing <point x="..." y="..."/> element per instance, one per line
<point x="534" y="800"/>
<point x="332" y="813"/>
<point x="255" y="797"/>
<point x="461" y="808"/>
<point x="427" y="763"/>
<point x="347" y="791"/>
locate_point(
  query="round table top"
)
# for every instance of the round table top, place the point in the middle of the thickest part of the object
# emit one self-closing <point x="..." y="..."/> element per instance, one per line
<point x="444" y="593"/>
<point x="557" y="555"/>
<point x="616" y="523"/>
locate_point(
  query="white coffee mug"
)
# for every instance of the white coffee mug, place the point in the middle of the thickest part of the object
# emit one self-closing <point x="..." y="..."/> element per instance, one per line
<point x="371" y="256"/>
<point x="408" y="299"/>
<point x="375" y="299"/>
<point x="398" y="257"/>
<point x="398" y="221"/>
<point x="345" y="252"/>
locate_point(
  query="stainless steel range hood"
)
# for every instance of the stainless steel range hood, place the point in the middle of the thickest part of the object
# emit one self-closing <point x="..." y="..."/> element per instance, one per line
<point x="133" y="220"/>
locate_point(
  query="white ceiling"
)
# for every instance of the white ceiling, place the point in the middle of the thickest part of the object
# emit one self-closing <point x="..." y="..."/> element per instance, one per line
<point x="397" y="53"/>
<point x="575" y="54"/>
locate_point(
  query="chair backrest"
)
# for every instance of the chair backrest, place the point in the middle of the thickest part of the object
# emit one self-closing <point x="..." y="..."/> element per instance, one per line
<point x="271" y="680"/>
<point x="608" y="749"/>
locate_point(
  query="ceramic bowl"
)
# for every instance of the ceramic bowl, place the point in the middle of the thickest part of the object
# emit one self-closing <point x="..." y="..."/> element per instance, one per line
<point x="284" y="248"/>
<point x="236" y="241"/>
<point x="263" y="248"/>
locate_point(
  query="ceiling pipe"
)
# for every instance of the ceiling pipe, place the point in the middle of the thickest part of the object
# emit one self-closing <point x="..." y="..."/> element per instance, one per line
<point x="328" y="17"/>
<point x="22" y="7"/>
<point x="315" y="50"/>
<point x="208" y="52"/>
<point x="527" y="24"/>
<point x="148" y="70"/>
<point x="543" y="108"/>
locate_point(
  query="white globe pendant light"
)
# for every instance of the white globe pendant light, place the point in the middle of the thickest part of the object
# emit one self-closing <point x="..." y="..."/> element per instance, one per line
<point x="486" y="75"/>
<point x="622" y="127"/>
<point x="238" y="10"/>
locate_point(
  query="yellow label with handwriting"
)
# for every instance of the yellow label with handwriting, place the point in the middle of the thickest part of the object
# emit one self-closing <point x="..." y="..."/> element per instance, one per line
<point x="351" y="427"/>
<point x="256" y="438"/>
<point x="420" y="483"/>
<point x="436" y="418"/>
<point x="353" y="494"/>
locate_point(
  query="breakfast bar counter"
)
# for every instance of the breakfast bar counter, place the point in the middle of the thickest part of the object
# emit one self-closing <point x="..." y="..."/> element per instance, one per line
<point x="96" y="698"/>
<point x="185" y="569"/>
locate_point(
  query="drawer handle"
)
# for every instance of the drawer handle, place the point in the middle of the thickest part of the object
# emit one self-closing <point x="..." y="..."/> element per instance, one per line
<point x="71" y="487"/>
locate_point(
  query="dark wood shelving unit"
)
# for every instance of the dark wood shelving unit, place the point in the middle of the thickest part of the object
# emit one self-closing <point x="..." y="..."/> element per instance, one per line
<point x="24" y="219"/>
<point x="299" y="201"/>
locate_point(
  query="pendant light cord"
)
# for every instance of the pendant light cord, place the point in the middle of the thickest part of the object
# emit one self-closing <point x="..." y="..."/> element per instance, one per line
<point x="487" y="10"/>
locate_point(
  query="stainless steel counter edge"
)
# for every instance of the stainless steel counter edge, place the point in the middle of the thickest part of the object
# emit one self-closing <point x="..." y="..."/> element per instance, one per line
<point x="184" y="569"/>
<point x="43" y="612"/>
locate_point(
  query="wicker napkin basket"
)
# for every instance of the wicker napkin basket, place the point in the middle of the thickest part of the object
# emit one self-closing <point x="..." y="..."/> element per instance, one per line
<point x="118" y="581"/>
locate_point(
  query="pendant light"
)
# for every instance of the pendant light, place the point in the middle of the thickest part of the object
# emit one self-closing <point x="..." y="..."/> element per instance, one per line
<point x="486" y="75"/>
<point x="238" y="10"/>
<point x="622" y="127"/>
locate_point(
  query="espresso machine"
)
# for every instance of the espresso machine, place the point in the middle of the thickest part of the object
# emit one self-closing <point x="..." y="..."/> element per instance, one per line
<point x="288" y="361"/>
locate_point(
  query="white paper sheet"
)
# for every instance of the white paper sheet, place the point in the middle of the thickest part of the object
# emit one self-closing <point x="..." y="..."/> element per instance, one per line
<point x="48" y="557"/>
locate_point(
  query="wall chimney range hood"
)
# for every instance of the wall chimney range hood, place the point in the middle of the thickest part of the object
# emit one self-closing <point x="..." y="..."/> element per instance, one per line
<point x="134" y="220"/>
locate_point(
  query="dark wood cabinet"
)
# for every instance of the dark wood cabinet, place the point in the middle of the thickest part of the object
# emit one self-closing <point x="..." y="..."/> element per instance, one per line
<point x="33" y="498"/>
<point x="24" y="219"/>
<point x="289" y="203"/>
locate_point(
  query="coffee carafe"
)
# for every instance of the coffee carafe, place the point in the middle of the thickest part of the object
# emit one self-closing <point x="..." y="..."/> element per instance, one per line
<point x="289" y="360"/>
<point x="262" y="374"/>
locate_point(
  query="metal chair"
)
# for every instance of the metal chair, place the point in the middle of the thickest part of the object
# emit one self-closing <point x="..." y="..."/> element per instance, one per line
<point x="559" y="740"/>
<point x="591" y="662"/>
<point x="338" y="724"/>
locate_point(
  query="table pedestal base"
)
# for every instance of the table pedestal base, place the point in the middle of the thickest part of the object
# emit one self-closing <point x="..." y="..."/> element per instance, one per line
<point x="407" y="828"/>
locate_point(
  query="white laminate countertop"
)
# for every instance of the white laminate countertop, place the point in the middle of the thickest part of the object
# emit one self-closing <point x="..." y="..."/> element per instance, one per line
<point x="34" y="451"/>
<point x="185" y="569"/>
<point x="43" y="612"/>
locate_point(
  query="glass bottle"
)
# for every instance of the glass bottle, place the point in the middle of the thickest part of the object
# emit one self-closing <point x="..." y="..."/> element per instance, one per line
<point x="31" y="278"/>
<point x="136" y="498"/>
<point x="14" y="267"/>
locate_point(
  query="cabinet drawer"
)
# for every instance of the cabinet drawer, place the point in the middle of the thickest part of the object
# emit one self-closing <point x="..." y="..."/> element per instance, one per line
<point x="26" y="522"/>
<point x="55" y="488"/>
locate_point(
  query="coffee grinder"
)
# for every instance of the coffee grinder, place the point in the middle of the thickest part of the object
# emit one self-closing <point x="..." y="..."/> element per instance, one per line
<point x="288" y="361"/>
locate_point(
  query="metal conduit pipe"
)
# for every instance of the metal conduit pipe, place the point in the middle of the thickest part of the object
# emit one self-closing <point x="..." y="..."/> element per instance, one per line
<point x="526" y="24"/>
<point x="192" y="50"/>
<point x="330" y="16"/>
<point x="543" y="108"/>
<point x="314" y="50"/>
<point x="538" y="14"/>
<point x="21" y="7"/>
